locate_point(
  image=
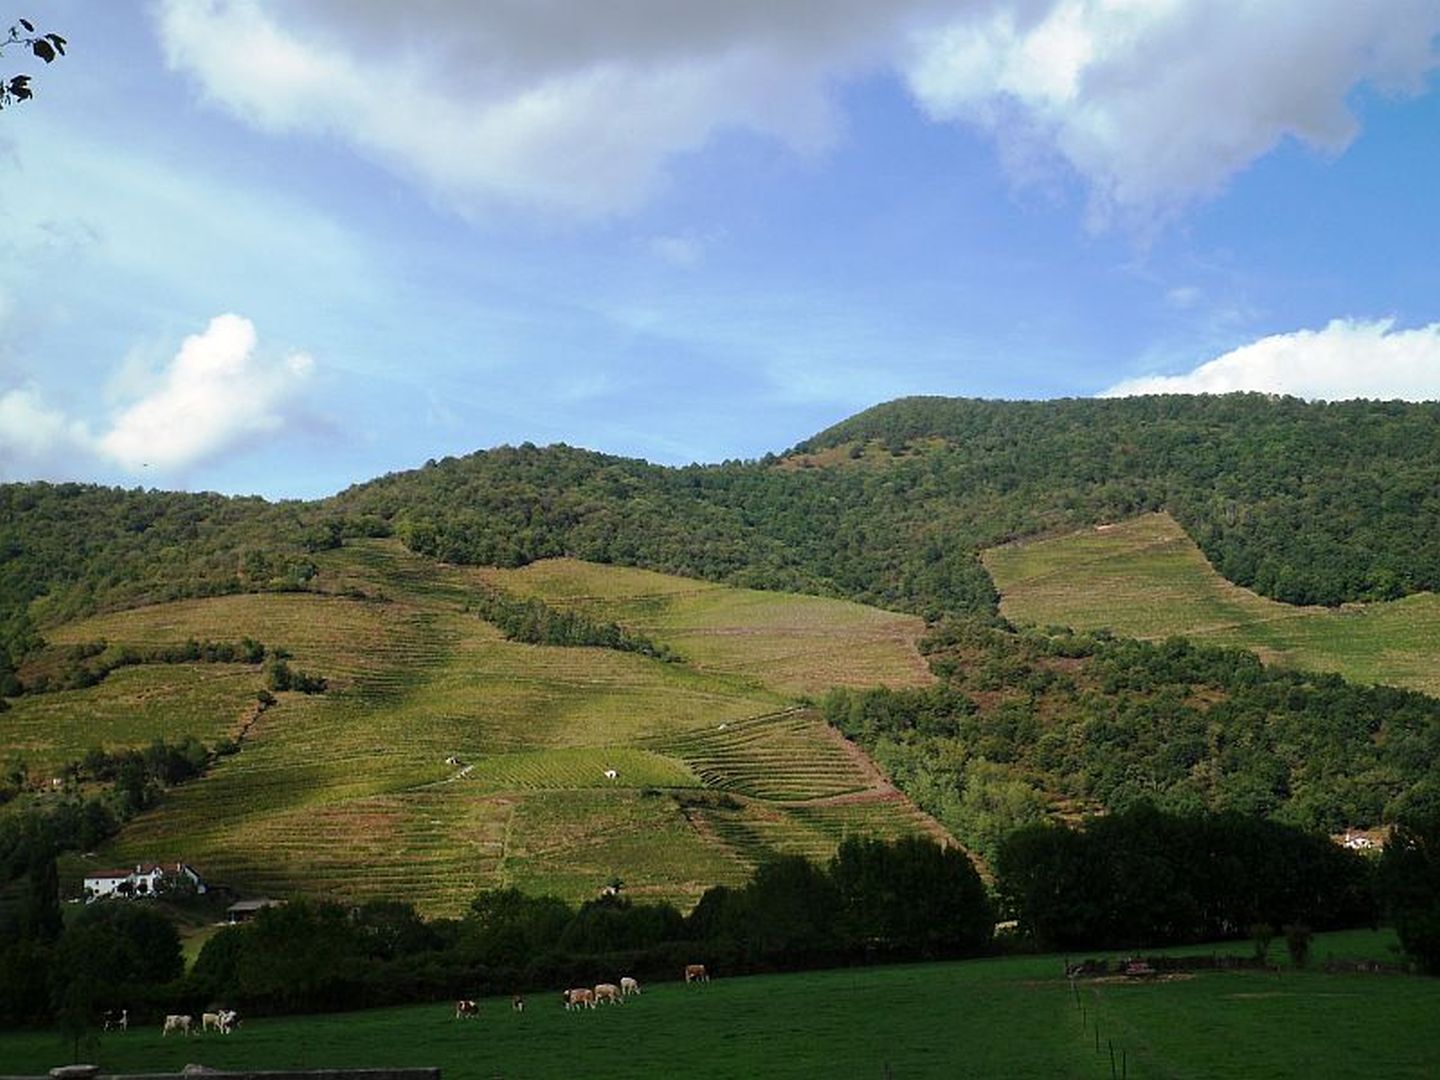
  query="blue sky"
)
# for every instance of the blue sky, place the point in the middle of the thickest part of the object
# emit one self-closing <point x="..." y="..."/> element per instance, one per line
<point x="277" y="247"/>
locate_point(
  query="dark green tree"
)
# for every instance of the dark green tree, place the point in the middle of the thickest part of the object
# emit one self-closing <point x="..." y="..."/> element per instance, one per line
<point x="1410" y="888"/>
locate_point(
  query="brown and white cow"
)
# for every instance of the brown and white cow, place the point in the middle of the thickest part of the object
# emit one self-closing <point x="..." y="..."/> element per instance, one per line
<point x="628" y="986"/>
<point x="580" y="998"/>
<point x="696" y="973"/>
<point x="466" y="1009"/>
<point x="176" y="1023"/>
<point x="607" y="992"/>
<point x="517" y="1002"/>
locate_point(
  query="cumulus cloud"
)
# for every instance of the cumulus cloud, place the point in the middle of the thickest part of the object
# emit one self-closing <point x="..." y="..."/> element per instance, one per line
<point x="217" y="392"/>
<point x="1158" y="103"/>
<point x="578" y="107"/>
<point x="1347" y="359"/>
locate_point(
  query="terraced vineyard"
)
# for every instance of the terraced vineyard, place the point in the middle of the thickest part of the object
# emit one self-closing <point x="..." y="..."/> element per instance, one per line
<point x="785" y="756"/>
<point x="1146" y="578"/>
<point x="444" y="759"/>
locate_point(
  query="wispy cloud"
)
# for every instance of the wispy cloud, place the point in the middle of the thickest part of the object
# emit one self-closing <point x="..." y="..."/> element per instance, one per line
<point x="1347" y="359"/>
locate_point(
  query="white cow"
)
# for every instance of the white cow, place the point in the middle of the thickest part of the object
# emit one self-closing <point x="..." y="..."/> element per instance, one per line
<point x="611" y="774"/>
<point x="229" y="1018"/>
<point x="628" y="986"/>
<point x="117" y="1019"/>
<point x="210" y="1020"/>
<point x="173" y="1022"/>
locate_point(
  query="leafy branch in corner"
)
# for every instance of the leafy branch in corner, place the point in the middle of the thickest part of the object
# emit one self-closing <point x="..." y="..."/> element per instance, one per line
<point x="46" y="47"/>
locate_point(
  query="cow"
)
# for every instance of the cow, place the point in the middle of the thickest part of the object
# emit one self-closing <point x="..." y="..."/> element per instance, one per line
<point x="608" y="993"/>
<point x="466" y="1009"/>
<point x="696" y="973"/>
<point x="580" y="998"/>
<point x="117" y="1019"/>
<point x="229" y="1020"/>
<point x="211" y="1020"/>
<point x="176" y="1023"/>
<point x="628" y="986"/>
<point x="611" y="774"/>
<point x="517" y="1002"/>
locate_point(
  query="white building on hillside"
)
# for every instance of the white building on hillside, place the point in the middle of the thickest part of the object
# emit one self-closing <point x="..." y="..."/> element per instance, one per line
<point x="147" y="879"/>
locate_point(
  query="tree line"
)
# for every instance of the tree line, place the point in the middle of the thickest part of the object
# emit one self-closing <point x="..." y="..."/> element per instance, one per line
<point x="534" y="622"/>
<point x="1142" y="878"/>
<point x="873" y="901"/>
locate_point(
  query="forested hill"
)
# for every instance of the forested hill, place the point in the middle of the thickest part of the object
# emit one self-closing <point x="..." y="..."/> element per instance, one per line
<point x="1306" y="503"/>
<point x="1309" y="503"/>
<point x="1313" y="503"/>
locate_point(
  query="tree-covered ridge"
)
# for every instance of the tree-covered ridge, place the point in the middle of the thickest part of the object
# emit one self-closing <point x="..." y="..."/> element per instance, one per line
<point x="1309" y="503"/>
<point x="1313" y="503"/>
<point x="1024" y="725"/>
<point x="68" y="550"/>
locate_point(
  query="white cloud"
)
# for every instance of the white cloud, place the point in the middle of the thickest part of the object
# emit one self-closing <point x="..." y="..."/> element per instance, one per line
<point x="578" y="107"/>
<point x="33" y="435"/>
<point x="514" y="103"/>
<point x="216" y="393"/>
<point x="1159" y="102"/>
<point x="1347" y="359"/>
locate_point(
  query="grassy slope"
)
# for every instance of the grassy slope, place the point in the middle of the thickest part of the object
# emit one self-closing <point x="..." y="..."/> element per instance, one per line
<point x="348" y="793"/>
<point x="1005" y="1017"/>
<point x="1145" y="578"/>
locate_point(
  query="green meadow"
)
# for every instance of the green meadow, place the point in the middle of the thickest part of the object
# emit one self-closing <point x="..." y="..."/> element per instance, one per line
<point x="1005" y="1017"/>
<point x="1146" y="578"/>
<point x="444" y="759"/>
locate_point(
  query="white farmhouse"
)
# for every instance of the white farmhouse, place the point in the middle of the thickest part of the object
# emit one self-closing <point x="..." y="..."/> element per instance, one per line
<point x="147" y="879"/>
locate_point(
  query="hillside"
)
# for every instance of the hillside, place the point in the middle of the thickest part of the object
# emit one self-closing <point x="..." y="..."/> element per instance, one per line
<point x="701" y="703"/>
<point x="1305" y="503"/>
<point x="349" y="792"/>
<point x="1145" y="578"/>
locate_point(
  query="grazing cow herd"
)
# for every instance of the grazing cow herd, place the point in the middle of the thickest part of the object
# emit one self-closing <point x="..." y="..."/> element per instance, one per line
<point x="585" y="997"/>
<point x="225" y="1021"/>
<point x="222" y="1020"/>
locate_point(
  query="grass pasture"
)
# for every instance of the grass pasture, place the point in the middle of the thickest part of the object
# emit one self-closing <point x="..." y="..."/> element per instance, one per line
<point x="1146" y="578"/>
<point x="1007" y="1017"/>
<point x="349" y="793"/>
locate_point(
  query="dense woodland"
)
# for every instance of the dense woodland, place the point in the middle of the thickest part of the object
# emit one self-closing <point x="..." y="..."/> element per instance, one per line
<point x="1308" y="503"/>
<point x="1023" y="727"/>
